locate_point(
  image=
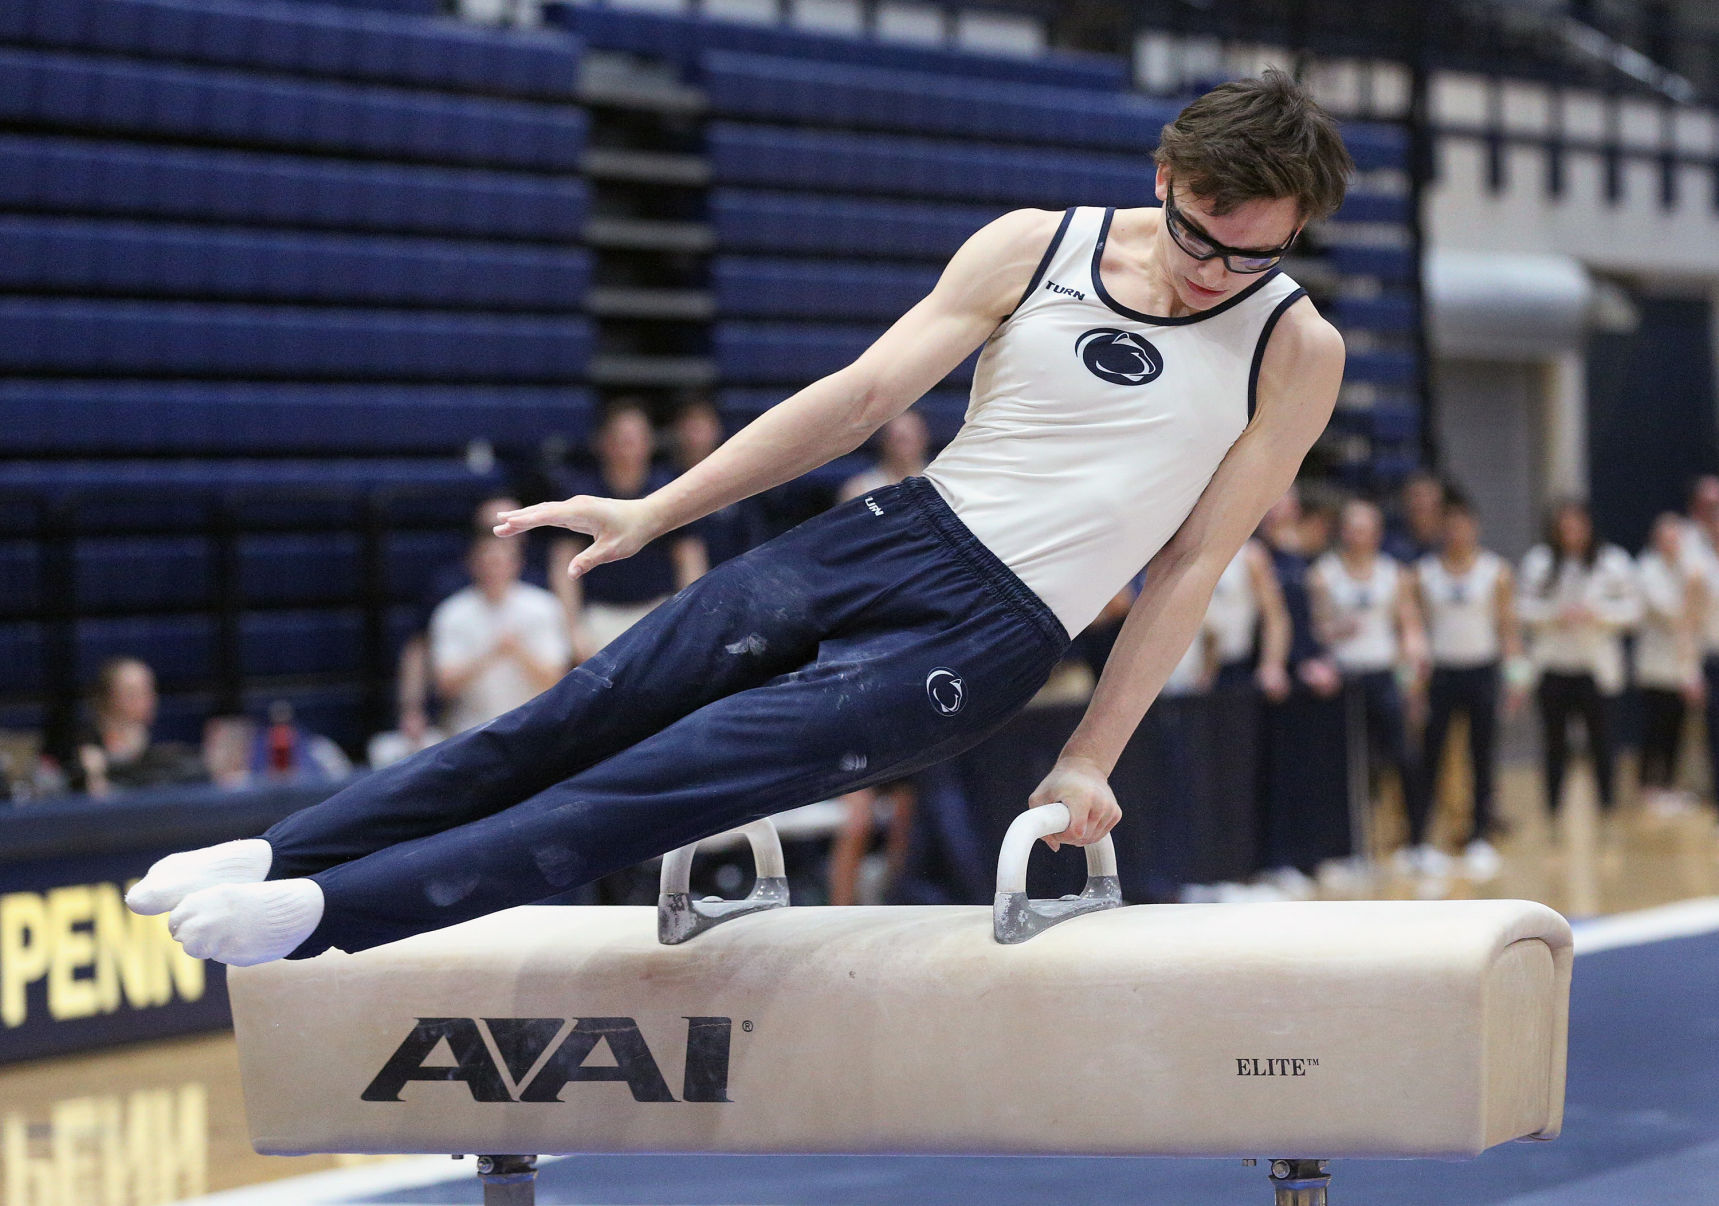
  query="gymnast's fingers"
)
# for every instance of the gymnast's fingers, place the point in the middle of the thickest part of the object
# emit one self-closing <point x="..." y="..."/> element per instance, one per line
<point x="545" y="514"/>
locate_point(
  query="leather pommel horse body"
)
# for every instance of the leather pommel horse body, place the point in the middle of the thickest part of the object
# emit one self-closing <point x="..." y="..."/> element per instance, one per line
<point x="1379" y="1029"/>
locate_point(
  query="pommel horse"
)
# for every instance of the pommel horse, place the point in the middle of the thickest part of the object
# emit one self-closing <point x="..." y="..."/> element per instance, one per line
<point x="1067" y="1027"/>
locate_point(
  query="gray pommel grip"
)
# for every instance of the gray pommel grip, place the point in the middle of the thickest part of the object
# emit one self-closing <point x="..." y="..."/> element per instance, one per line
<point x="680" y="917"/>
<point x="1014" y="916"/>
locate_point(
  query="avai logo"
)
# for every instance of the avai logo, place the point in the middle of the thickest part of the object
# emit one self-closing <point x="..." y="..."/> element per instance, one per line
<point x="947" y="690"/>
<point x="1119" y="357"/>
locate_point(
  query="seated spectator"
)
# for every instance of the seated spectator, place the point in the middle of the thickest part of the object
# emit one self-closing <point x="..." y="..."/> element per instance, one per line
<point x="282" y="750"/>
<point x="496" y="643"/>
<point x="117" y="752"/>
<point x="611" y="598"/>
<point x="903" y="450"/>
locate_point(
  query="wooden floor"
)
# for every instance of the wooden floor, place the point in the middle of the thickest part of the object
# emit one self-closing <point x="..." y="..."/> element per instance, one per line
<point x="157" y="1123"/>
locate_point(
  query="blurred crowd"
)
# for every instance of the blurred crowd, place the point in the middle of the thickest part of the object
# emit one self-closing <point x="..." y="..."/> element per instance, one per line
<point x="1360" y="630"/>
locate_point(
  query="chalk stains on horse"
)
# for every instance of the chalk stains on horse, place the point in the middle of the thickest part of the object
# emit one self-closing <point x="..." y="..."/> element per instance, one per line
<point x="752" y="643"/>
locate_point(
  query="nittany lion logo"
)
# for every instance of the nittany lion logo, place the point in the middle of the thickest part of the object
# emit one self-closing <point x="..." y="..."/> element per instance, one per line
<point x="1119" y="357"/>
<point x="947" y="690"/>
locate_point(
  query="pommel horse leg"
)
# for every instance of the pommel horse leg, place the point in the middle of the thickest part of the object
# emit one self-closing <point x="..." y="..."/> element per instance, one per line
<point x="508" y="1180"/>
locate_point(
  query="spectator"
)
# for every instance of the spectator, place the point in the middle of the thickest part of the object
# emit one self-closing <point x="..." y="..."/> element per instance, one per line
<point x="697" y="432"/>
<point x="282" y="750"/>
<point x="1578" y="596"/>
<point x="1365" y="604"/>
<point x="118" y="751"/>
<point x="611" y="598"/>
<point x="414" y="694"/>
<point x="498" y="642"/>
<point x="1249" y="625"/>
<point x="1417" y="529"/>
<point x="1469" y="597"/>
<point x="903" y="450"/>
<point x="1303" y="778"/>
<point x="1701" y="552"/>
<point x="1667" y="658"/>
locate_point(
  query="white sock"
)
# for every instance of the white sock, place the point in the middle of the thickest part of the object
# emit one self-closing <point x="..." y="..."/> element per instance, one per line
<point x="242" y="924"/>
<point x="175" y="877"/>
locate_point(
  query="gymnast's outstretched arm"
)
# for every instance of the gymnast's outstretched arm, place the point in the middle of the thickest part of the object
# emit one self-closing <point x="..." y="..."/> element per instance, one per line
<point x="979" y="287"/>
<point x="1299" y="377"/>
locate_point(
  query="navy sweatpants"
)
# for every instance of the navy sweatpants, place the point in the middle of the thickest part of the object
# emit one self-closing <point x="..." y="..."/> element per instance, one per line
<point x="863" y="645"/>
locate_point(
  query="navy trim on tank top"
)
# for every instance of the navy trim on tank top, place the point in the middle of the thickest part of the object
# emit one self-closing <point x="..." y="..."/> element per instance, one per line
<point x="1159" y="320"/>
<point x="1045" y="259"/>
<point x="1259" y="349"/>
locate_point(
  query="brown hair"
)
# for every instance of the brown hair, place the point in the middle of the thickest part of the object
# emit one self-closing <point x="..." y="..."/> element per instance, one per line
<point x="1258" y="140"/>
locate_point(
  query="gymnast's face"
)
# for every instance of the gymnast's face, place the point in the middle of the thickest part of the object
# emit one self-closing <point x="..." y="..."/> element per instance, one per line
<point x="1191" y="259"/>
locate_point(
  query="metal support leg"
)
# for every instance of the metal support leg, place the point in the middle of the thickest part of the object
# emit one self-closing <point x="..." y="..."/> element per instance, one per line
<point x="508" y="1180"/>
<point x="1299" y="1182"/>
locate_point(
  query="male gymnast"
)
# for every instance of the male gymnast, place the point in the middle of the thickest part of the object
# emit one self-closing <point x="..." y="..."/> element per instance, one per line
<point x="1148" y="385"/>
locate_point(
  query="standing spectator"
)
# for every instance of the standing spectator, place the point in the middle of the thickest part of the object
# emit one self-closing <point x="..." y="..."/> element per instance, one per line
<point x="696" y="433"/>
<point x="1701" y="553"/>
<point x="1469" y="597"/>
<point x="903" y="449"/>
<point x="118" y="751"/>
<point x="497" y="643"/>
<point x="1578" y="596"/>
<point x="1303" y="779"/>
<point x="1365" y="602"/>
<point x="1249" y="625"/>
<point x="413" y="685"/>
<point x="1667" y="658"/>
<point x="1417" y="529"/>
<point x="609" y="599"/>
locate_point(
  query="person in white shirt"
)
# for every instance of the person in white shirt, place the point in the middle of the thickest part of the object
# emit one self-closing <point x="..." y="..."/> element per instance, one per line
<point x="1667" y="658"/>
<point x="1578" y="596"/>
<point x="497" y="643"/>
<point x="1365" y="603"/>
<point x="1468" y="595"/>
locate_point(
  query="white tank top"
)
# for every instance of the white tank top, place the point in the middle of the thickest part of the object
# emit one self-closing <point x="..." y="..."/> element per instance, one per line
<point x="1462" y="612"/>
<point x="1661" y="659"/>
<point x="1233" y="613"/>
<point x="1365" y="609"/>
<point x="1093" y="428"/>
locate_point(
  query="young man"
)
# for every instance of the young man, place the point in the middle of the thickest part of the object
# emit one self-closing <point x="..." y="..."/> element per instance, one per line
<point x="1148" y="387"/>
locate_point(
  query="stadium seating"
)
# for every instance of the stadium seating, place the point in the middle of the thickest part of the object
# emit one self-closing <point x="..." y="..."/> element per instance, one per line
<point x="782" y="223"/>
<point x="311" y="40"/>
<point x="682" y="40"/>
<point x="61" y="175"/>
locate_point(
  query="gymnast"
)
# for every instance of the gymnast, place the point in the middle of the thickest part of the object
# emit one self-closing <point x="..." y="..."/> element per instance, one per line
<point x="1148" y="385"/>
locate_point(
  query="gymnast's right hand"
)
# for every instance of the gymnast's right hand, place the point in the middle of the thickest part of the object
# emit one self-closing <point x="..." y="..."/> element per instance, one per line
<point x="618" y="527"/>
<point x="1083" y="786"/>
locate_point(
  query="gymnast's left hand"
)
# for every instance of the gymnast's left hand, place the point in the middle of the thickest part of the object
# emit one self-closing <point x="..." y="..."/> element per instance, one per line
<point x="618" y="527"/>
<point x="1084" y="787"/>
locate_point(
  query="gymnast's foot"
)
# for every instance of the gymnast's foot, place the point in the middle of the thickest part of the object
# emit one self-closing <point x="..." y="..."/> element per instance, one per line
<point x="175" y="877"/>
<point x="242" y="924"/>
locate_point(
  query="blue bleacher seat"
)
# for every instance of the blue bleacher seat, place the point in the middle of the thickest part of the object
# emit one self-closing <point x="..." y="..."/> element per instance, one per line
<point x="20" y="576"/>
<point x="69" y="255"/>
<point x="180" y="649"/>
<point x="72" y="175"/>
<point x="1389" y="368"/>
<point x="785" y="223"/>
<point x="277" y="568"/>
<point x="308" y="39"/>
<point x="217" y="418"/>
<point x="301" y="642"/>
<point x="114" y="572"/>
<point x="943" y="409"/>
<point x="683" y="39"/>
<point x="22" y="654"/>
<point x="775" y="288"/>
<point x="84" y="92"/>
<point x="1390" y="312"/>
<point x="1391" y="208"/>
<point x="790" y="90"/>
<point x="757" y="352"/>
<point x="825" y="161"/>
<point x="413" y="559"/>
<point x="1374" y="145"/>
<point x="1392" y="264"/>
<point x="184" y="338"/>
<point x="189" y="478"/>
